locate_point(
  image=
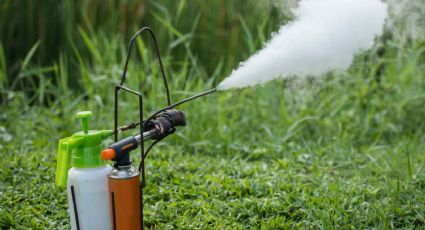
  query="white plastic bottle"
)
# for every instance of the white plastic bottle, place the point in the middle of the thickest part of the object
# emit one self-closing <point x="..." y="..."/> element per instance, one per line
<point x="88" y="204"/>
<point x="87" y="180"/>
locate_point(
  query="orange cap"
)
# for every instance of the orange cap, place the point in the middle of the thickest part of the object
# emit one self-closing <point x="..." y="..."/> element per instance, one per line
<point x="108" y="154"/>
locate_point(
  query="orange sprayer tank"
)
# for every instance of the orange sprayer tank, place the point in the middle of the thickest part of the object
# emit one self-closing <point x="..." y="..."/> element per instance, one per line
<point x="124" y="196"/>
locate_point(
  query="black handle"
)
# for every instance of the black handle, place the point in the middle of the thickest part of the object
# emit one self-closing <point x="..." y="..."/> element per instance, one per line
<point x="166" y="122"/>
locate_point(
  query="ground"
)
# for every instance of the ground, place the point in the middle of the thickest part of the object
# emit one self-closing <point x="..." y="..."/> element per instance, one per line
<point x="345" y="151"/>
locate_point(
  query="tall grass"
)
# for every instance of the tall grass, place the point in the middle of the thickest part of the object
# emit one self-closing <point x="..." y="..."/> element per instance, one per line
<point x="191" y="33"/>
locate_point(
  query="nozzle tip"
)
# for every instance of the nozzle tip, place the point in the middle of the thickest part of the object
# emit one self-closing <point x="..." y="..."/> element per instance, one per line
<point x="108" y="154"/>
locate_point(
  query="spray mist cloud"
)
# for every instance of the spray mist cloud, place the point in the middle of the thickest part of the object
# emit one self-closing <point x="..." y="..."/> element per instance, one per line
<point x="324" y="36"/>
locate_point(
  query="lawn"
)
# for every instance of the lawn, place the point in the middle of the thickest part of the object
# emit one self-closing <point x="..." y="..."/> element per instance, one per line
<point x="343" y="151"/>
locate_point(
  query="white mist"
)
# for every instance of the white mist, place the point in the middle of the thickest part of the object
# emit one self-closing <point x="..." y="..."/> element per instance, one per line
<point x="324" y="36"/>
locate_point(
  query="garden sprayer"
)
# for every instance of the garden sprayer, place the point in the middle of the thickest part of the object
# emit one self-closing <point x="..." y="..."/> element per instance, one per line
<point x="86" y="181"/>
<point x="119" y="189"/>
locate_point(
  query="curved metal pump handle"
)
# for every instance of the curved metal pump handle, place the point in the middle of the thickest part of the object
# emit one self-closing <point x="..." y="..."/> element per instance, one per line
<point x="158" y="55"/>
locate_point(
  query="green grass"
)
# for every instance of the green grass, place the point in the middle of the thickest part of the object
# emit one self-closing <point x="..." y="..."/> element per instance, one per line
<point x="341" y="152"/>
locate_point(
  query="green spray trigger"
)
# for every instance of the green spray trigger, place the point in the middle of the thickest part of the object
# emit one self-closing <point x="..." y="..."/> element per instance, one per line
<point x="81" y="150"/>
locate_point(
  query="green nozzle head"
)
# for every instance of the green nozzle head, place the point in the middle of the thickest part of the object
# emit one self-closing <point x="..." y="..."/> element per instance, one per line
<point x="81" y="150"/>
<point x="84" y="116"/>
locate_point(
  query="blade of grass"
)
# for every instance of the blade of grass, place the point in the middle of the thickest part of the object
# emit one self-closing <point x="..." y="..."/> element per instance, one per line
<point x="3" y="69"/>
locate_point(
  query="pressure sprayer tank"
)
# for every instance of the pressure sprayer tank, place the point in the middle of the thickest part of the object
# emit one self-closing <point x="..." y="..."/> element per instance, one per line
<point x="87" y="179"/>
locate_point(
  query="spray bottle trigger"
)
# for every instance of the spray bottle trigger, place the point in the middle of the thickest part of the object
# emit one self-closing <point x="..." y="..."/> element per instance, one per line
<point x="65" y="147"/>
